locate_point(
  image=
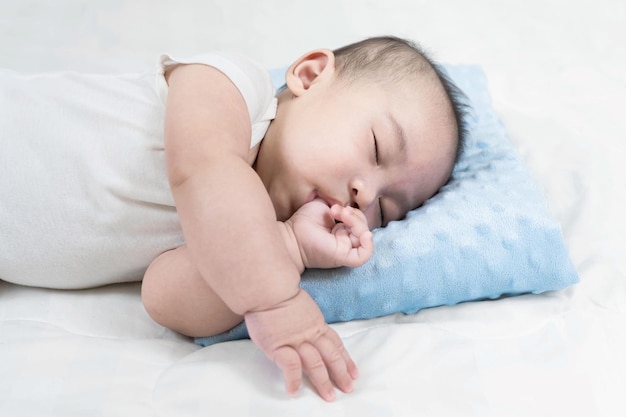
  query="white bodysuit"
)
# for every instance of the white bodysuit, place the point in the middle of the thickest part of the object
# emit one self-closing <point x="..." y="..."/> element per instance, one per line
<point x="84" y="194"/>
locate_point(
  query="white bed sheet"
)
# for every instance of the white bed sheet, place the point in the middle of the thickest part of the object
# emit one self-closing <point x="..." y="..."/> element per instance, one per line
<point x="557" y="73"/>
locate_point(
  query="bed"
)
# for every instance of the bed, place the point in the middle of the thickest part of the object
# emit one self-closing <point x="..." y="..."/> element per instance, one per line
<point x="556" y="76"/>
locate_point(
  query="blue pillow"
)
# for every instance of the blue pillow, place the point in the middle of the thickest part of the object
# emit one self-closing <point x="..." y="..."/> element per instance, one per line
<point x="487" y="233"/>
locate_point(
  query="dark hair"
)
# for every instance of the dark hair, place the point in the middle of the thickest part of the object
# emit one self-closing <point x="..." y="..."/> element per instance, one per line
<point x="392" y="59"/>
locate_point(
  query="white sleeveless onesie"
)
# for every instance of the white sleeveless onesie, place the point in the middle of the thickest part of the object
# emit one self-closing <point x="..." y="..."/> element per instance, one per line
<point x="84" y="195"/>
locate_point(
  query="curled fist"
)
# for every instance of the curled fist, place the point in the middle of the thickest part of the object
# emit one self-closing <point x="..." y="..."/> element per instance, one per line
<point x="330" y="237"/>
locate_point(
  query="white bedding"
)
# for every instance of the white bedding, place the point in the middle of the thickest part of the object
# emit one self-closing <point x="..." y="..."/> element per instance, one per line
<point x="557" y="73"/>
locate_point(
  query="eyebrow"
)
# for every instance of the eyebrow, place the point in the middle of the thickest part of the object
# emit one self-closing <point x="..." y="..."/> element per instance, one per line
<point x="399" y="134"/>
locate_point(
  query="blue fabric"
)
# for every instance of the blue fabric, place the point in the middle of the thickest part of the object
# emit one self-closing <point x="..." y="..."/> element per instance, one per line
<point x="486" y="234"/>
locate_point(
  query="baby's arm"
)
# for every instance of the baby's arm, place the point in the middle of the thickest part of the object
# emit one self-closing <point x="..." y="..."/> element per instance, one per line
<point x="226" y="215"/>
<point x="231" y="232"/>
<point x="178" y="297"/>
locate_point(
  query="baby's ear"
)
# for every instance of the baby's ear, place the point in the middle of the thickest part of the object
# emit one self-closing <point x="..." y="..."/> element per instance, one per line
<point x="311" y="68"/>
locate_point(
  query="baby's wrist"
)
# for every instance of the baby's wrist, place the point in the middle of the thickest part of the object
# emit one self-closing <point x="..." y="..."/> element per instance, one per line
<point x="291" y="243"/>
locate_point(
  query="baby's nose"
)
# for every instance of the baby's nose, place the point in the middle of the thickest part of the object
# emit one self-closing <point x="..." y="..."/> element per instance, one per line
<point x="361" y="195"/>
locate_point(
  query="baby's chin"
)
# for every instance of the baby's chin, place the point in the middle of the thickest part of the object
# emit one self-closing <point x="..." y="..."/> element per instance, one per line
<point x="286" y="208"/>
<point x="285" y="211"/>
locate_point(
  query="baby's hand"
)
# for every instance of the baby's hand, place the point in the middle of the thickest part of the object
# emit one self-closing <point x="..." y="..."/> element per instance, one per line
<point x="294" y="335"/>
<point x="331" y="237"/>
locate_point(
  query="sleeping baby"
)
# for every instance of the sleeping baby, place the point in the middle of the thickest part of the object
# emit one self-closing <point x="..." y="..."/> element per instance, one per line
<point x="217" y="192"/>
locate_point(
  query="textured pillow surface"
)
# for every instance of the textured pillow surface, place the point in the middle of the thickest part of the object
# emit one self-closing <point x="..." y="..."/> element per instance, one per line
<point x="487" y="233"/>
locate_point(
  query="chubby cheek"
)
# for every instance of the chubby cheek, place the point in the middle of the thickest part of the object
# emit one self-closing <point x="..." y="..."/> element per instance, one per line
<point x="373" y="217"/>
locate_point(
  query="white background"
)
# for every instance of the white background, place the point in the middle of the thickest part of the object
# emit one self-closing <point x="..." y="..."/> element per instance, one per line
<point x="557" y="75"/>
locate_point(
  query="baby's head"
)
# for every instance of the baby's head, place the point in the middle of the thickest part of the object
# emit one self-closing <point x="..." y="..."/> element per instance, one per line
<point x="375" y="125"/>
<point x="397" y="61"/>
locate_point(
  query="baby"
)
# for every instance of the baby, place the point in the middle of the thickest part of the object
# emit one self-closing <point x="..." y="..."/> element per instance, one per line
<point x="225" y="189"/>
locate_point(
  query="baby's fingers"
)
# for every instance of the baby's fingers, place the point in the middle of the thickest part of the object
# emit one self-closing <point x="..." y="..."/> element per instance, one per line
<point x="353" y="218"/>
<point x="355" y="225"/>
<point x="288" y="361"/>
<point x="341" y="367"/>
<point x="316" y="370"/>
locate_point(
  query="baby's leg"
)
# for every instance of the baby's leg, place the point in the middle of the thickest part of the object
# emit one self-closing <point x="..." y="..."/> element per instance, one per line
<point x="176" y="296"/>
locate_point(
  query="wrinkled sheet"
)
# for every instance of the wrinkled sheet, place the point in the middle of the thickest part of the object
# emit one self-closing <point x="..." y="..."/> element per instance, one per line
<point x="557" y="76"/>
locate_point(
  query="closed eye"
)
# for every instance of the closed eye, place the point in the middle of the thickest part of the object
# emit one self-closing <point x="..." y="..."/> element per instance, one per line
<point x="380" y="206"/>
<point x="375" y="148"/>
